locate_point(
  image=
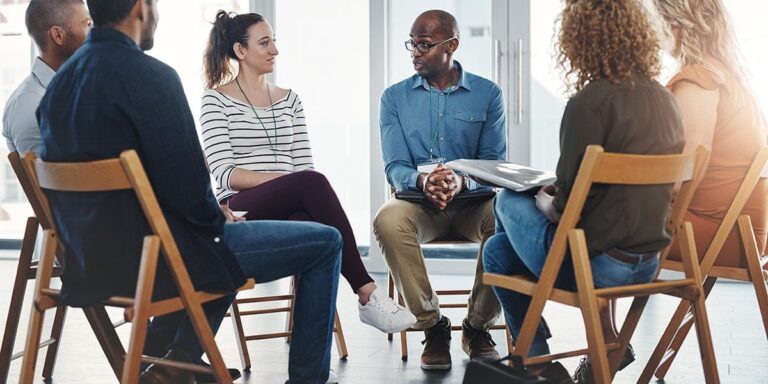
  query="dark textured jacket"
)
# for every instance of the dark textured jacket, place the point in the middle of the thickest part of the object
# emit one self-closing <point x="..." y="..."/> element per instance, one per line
<point x="639" y="118"/>
<point x="107" y="98"/>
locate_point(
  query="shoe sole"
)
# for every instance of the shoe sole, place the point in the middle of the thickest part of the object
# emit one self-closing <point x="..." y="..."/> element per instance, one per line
<point x="435" y="367"/>
<point x="390" y="330"/>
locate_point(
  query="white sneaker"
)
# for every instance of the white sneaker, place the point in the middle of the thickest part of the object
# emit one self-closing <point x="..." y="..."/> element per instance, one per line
<point x="383" y="313"/>
<point x="332" y="378"/>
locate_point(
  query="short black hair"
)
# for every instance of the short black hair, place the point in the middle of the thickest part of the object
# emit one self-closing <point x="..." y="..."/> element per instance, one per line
<point x="110" y="12"/>
<point x="41" y="15"/>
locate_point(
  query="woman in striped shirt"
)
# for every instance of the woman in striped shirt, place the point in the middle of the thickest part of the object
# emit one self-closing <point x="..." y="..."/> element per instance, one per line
<point x="256" y="142"/>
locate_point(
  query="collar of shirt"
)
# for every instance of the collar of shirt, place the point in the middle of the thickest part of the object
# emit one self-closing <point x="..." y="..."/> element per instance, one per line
<point x="419" y="81"/>
<point x="42" y="72"/>
<point x="107" y="34"/>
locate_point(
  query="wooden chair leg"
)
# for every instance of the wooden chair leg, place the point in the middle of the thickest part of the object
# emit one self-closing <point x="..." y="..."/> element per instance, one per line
<point x="403" y="336"/>
<point x="754" y="267"/>
<point x="672" y="340"/>
<point x="508" y="335"/>
<point x="242" y="345"/>
<point x="589" y="308"/>
<point x="391" y="291"/>
<point x="142" y="303"/>
<point x="701" y="321"/>
<point x="107" y="337"/>
<point x="341" y="343"/>
<point x="628" y="328"/>
<point x="53" y="349"/>
<point x="35" y="329"/>
<point x="17" y="297"/>
<point x="291" y="309"/>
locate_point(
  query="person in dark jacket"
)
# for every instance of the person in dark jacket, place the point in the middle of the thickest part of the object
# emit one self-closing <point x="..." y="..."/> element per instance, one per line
<point x="111" y="97"/>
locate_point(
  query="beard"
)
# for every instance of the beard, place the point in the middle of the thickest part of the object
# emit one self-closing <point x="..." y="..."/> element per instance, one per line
<point x="148" y="35"/>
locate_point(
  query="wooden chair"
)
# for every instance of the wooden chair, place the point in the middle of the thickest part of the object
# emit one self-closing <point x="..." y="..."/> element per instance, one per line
<point x="609" y="168"/>
<point x="26" y="270"/>
<point x="449" y="292"/>
<point x="680" y="324"/>
<point x="123" y="173"/>
<point x="242" y="339"/>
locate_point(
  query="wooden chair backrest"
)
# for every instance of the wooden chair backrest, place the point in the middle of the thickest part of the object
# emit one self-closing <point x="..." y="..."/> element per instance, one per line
<point x="599" y="167"/>
<point x="42" y="215"/>
<point x="123" y="173"/>
<point x="755" y="172"/>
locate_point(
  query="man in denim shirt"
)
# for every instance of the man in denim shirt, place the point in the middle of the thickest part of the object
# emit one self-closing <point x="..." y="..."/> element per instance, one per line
<point x="440" y="114"/>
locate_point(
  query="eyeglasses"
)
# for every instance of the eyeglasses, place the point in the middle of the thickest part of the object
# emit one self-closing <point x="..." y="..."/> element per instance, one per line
<point x="410" y="45"/>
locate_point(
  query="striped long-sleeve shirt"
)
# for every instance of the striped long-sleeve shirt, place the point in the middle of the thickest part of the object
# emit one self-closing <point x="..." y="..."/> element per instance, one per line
<point x="233" y="137"/>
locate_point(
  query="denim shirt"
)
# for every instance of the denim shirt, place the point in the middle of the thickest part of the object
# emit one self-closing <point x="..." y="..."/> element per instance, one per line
<point x="419" y="123"/>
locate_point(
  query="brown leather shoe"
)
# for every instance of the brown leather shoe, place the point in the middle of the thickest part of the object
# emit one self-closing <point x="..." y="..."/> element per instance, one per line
<point x="437" y="346"/>
<point x="160" y="374"/>
<point x="477" y="343"/>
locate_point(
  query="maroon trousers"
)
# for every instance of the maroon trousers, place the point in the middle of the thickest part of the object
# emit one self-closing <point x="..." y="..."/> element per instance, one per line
<point x="305" y="196"/>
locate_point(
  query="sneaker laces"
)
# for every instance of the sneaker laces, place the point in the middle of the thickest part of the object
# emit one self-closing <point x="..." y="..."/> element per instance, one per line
<point x="480" y="334"/>
<point x="439" y="330"/>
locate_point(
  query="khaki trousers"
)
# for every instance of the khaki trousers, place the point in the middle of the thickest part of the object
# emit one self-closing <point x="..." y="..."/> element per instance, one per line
<point x="400" y="227"/>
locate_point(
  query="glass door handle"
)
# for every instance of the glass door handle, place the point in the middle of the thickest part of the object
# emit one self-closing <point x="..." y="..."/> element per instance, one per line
<point x="519" y="81"/>
<point x="497" y="61"/>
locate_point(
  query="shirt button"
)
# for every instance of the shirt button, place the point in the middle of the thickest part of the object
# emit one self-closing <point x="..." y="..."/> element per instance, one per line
<point x="442" y="138"/>
<point x="216" y="239"/>
<point x="441" y="115"/>
<point x="471" y="118"/>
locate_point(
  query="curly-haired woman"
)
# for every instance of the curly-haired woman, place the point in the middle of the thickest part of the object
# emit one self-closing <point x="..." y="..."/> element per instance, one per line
<point x="719" y="111"/>
<point x="609" y="54"/>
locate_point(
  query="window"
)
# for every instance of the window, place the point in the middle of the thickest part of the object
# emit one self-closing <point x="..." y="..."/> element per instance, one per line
<point x="324" y="58"/>
<point x="181" y="38"/>
<point x="16" y="51"/>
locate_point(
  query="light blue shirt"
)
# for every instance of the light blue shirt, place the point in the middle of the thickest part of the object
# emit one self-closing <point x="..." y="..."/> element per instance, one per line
<point x="419" y="123"/>
<point x="20" y="128"/>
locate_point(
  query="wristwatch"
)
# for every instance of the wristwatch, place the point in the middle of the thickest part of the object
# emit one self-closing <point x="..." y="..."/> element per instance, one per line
<point x="464" y="183"/>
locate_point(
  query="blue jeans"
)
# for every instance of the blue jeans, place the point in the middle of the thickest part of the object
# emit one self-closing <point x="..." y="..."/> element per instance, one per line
<point x="520" y="246"/>
<point x="267" y="251"/>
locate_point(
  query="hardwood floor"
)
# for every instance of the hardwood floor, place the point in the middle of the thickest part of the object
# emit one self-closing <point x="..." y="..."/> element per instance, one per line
<point x="740" y="341"/>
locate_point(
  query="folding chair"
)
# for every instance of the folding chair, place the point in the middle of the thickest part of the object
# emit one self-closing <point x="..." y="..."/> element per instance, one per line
<point x="448" y="292"/>
<point x="26" y="270"/>
<point x="123" y="173"/>
<point x="680" y="324"/>
<point x="624" y="169"/>
<point x="242" y="339"/>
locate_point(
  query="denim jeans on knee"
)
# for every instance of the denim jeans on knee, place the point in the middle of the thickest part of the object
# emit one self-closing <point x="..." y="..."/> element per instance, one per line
<point x="520" y="246"/>
<point x="270" y="250"/>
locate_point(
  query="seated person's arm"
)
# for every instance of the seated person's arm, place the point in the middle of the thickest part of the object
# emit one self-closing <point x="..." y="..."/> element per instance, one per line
<point x="218" y="150"/>
<point x="698" y="108"/>
<point x="170" y="151"/>
<point x="22" y="129"/>
<point x="581" y="127"/>
<point x="493" y="142"/>
<point x="399" y="167"/>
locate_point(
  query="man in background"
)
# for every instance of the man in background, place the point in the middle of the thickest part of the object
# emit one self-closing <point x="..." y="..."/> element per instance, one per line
<point x="58" y="28"/>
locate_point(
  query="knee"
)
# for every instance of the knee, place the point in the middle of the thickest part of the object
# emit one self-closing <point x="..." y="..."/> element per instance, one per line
<point x="493" y="254"/>
<point x="391" y="222"/>
<point x="312" y="178"/>
<point x="331" y="237"/>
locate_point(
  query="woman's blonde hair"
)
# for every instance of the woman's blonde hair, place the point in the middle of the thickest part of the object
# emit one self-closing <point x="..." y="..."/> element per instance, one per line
<point x="606" y="39"/>
<point x="704" y="30"/>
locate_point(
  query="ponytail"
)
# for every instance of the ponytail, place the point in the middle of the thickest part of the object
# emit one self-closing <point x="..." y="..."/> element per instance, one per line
<point x="228" y="29"/>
